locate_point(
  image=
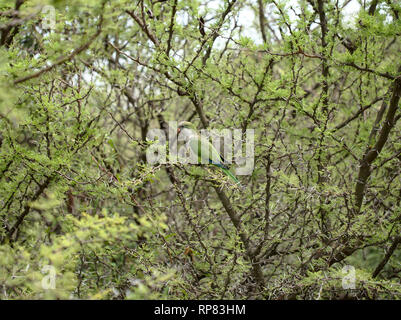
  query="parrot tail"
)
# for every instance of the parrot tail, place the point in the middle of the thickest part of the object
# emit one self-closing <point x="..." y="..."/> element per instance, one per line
<point x="229" y="174"/>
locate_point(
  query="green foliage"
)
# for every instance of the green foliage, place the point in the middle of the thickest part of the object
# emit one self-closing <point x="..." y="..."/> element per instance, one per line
<point x="78" y="197"/>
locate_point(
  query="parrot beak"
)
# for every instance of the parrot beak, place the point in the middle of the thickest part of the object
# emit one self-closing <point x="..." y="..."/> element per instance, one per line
<point x="178" y="130"/>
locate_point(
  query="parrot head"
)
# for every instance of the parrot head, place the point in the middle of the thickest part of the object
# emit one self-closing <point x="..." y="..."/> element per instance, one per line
<point x="185" y="125"/>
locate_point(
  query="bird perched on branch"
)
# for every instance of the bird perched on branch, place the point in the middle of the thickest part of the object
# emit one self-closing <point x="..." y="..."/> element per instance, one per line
<point x="204" y="150"/>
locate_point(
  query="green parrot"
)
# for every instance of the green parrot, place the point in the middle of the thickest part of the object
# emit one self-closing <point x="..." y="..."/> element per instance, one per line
<point x="199" y="145"/>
